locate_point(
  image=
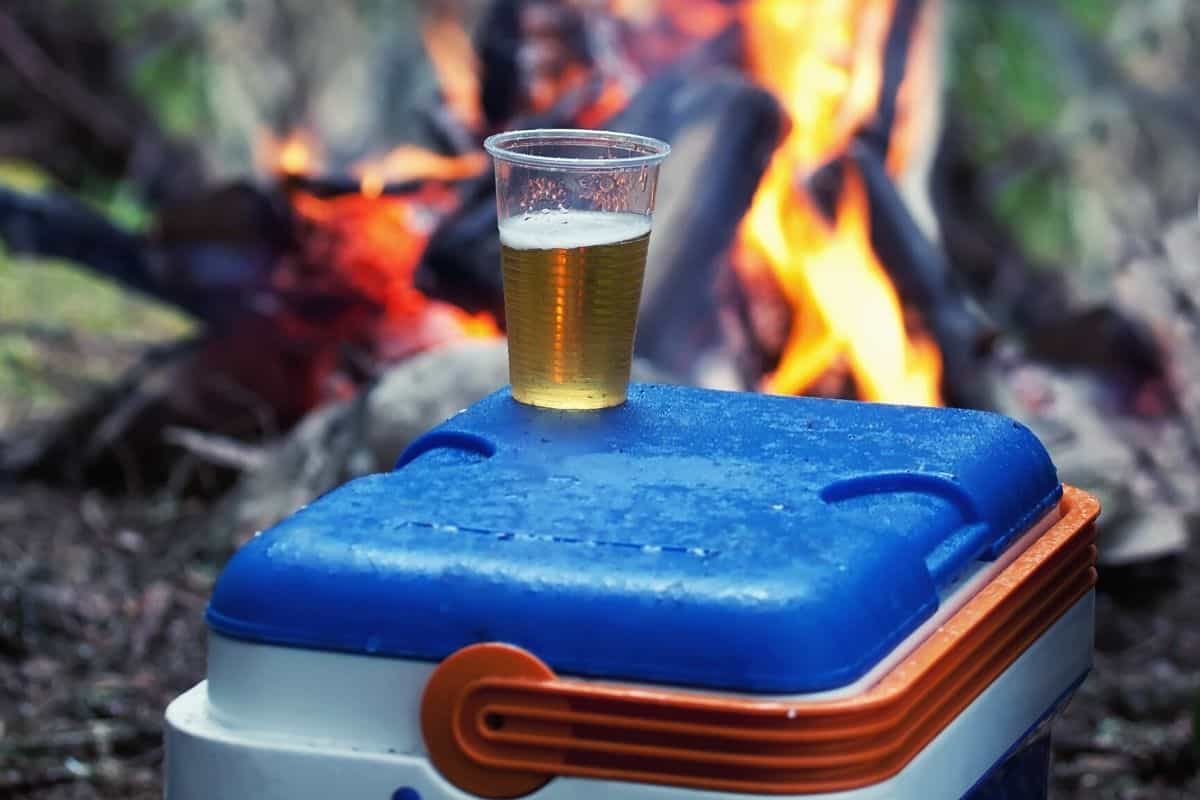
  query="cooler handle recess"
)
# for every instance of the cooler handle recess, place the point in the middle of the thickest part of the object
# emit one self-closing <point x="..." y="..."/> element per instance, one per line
<point x="951" y="555"/>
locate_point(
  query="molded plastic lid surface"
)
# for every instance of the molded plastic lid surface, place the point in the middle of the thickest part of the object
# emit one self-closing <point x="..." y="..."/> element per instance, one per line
<point x="693" y="537"/>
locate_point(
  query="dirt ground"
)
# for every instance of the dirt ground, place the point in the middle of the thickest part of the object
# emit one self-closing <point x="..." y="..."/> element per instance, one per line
<point x="100" y="626"/>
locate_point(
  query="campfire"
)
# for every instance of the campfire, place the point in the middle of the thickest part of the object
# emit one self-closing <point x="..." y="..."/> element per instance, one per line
<point x="824" y="62"/>
<point x="370" y="241"/>
<point x="806" y="235"/>
<point x="787" y="256"/>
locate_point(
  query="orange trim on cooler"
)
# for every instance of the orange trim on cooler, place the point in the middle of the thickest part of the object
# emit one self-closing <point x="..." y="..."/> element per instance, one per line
<point x="499" y="723"/>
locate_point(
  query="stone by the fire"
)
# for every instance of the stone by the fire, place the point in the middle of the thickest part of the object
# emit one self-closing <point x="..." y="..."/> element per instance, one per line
<point x="366" y="434"/>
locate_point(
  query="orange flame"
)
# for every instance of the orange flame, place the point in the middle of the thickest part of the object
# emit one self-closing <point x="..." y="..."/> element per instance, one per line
<point x="823" y="61"/>
<point x="611" y="99"/>
<point x="412" y="163"/>
<point x="375" y="243"/>
<point x="294" y="154"/>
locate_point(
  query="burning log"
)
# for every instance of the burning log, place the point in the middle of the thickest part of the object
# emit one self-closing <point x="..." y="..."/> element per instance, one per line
<point x="905" y="15"/>
<point x="924" y="279"/>
<point x="461" y="264"/>
<point x="329" y="186"/>
<point x="499" y="51"/>
<point x="724" y="133"/>
<point x="59" y="226"/>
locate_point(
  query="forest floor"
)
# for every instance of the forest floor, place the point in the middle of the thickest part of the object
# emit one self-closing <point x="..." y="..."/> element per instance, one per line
<point x="101" y="625"/>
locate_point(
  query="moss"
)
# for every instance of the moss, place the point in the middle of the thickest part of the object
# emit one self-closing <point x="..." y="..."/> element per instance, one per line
<point x="58" y="297"/>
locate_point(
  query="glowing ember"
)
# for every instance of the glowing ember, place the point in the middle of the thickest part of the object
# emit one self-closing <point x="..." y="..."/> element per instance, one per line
<point x="295" y="154"/>
<point x="823" y="60"/>
<point x="368" y="246"/>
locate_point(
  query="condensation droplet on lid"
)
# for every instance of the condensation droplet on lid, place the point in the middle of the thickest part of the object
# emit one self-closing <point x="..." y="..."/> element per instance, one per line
<point x="777" y="506"/>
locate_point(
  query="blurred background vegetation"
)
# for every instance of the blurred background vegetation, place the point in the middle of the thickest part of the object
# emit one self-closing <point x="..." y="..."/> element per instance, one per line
<point x="1065" y="107"/>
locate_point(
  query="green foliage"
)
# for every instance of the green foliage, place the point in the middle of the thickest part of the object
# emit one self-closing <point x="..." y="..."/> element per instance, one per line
<point x="53" y="296"/>
<point x="1010" y="88"/>
<point x="23" y="176"/>
<point x="1094" y="16"/>
<point x="1001" y="77"/>
<point x="1037" y="206"/>
<point x="118" y="201"/>
<point x="172" y="80"/>
<point x="168" y="67"/>
<point x="58" y="294"/>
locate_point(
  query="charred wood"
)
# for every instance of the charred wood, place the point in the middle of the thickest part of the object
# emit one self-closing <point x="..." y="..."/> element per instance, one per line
<point x="499" y="46"/>
<point x="461" y="263"/>
<point x="724" y="132"/>
<point x="1016" y="292"/>
<point x="338" y="185"/>
<point x="58" y="226"/>
<point x="924" y="280"/>
<point x="209" y="256"/>
<point x="895" y="63"/>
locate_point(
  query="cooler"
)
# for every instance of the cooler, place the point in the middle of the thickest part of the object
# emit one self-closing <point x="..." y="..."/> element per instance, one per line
<point x="696" y="595"/>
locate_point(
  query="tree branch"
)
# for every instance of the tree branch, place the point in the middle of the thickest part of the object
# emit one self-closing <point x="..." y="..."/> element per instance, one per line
<point x="44" y="77"/>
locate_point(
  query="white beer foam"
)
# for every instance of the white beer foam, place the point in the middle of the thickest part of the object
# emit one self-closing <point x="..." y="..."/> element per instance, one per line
<point x="569" y="229"/>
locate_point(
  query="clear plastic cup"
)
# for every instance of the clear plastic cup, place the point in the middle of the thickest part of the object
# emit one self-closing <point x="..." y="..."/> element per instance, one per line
<point x="575" y="211"/>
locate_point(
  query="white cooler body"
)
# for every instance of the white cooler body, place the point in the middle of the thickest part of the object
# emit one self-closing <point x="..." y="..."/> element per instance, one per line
<point x="275" y="723"/>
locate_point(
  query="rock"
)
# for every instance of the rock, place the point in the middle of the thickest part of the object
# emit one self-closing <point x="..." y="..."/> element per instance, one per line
<point x="363" y="435"/>
<point x="1094" y="453"/>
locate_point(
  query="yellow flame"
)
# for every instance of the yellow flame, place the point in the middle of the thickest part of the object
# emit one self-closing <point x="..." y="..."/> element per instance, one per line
<point x="452" y="55"/>
<point x="371" y="184"/>
<point x="822" y="59"/>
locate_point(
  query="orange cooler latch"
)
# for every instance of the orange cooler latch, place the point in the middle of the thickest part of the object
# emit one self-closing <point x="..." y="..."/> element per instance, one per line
<point x="499" y="723"/>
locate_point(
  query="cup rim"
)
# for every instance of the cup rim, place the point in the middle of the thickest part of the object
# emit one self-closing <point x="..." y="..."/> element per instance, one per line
<point x="655" y="150"/>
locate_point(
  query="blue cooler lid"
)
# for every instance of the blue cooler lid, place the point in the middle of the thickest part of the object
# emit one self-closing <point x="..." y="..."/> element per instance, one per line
<point x="715" y="539"/>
